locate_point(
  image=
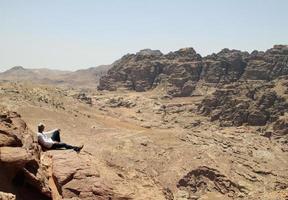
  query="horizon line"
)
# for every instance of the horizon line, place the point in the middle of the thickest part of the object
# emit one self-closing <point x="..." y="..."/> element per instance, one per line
<point x="88" y="67"/>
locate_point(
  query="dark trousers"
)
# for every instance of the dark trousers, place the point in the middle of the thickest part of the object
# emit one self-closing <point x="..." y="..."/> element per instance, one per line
<point x="62" y="145"/>
<point x="56" y="137"/>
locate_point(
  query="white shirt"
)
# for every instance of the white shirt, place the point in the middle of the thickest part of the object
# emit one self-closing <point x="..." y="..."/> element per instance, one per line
<point x="44" y="140"/>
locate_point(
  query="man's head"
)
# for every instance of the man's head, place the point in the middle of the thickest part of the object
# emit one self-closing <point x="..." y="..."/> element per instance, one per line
<point x="41" y="127"/>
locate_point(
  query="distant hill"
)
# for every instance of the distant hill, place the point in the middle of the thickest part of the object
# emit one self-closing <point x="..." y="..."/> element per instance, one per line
<point x="86" y="78"/>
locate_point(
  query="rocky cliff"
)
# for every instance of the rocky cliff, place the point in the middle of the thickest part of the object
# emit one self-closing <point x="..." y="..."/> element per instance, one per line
<point x="147" y="69"/>
<point x="182" y="70"/>
<point x="248" y="103"/>
<point x="22" y="174"/>
<point x="27" y="172"/>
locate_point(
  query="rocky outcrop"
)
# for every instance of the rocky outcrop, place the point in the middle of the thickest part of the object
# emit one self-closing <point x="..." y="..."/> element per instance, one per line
<point x="244" y="103"/>
<point x="147" y="69"/>
<point x="245" y="84"/>
<point x="182" y="70"/>
<point x="120" y="102"/>
<point x="224" y="67"/>
<point x="135" y="72"/>
<point x="280" y="130"/>
<point x="84" y="98"/>
<point x="76" y="177"/>
<point x="28" y="173"/>
<point x="281" y="126"/>
<point x="21" y="172"/>
<point x="267" y="65"/>
<point x="204" y="179"/>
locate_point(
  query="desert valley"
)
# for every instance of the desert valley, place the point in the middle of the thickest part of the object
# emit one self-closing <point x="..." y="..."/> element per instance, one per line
<point x="154" y="126"/>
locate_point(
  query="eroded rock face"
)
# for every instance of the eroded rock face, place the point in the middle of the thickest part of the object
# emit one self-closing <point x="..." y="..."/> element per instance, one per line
<point x="224" y="67"/>
<point x="135" y="72"/>
<point x="280" y="130"/>
<point x="21" y="172"/>
<point x="147" y="68"/>
<point x="204" y="179"/>
<point x="244" y="103"/>
<point x="182" y="70"/>
<point x="281" y="126"/>
<point x="76" y="177"/>
<point x="15" y="156"/>
<point x="267" y="65"/>
<point x="11" y="129"/>
<point x="25" y="171"/>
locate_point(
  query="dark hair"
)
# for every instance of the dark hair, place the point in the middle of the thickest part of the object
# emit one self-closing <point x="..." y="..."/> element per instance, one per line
<point x="40" y="127"/>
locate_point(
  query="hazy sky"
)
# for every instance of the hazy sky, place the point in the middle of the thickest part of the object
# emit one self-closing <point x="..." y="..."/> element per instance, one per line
<point x="74" y="34"/>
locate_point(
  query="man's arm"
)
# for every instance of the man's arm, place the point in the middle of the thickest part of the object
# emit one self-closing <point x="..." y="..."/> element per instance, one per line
<point x="52" y="131"/>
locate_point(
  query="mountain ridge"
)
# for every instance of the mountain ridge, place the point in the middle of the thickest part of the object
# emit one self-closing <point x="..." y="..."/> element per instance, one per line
<point x="79" y="78"/>
<point x="181" y="70"/>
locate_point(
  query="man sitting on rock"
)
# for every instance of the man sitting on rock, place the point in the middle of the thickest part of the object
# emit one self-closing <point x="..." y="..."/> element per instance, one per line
<point x="54" y="141"/>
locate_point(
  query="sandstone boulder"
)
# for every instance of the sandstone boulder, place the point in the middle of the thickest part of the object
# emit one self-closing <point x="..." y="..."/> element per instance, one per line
<point x="14" y="156"/>
<point x="77" y="177"/>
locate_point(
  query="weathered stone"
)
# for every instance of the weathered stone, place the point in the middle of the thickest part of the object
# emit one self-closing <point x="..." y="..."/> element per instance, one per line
<point x="281" y="126"/>
<point x="82" y="97"/>
<point x="148" y="69"/>
<point x="15" y="156"/>
<point x="233" y="107"/>
<point x="267" y="65"/>
<point x="205" y="179"/>
<point x="226" y="66"/>
<point x="20" y="160"/>
<point x="76" y="177"/>
<point x="120" y="102"/>
<point x="9" y="140"/>
<point x="7" y="196"/>
<point x="257" y="118"/>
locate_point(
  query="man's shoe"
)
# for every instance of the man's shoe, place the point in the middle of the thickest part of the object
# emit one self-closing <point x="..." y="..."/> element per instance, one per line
<point x="78" y="149"/>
